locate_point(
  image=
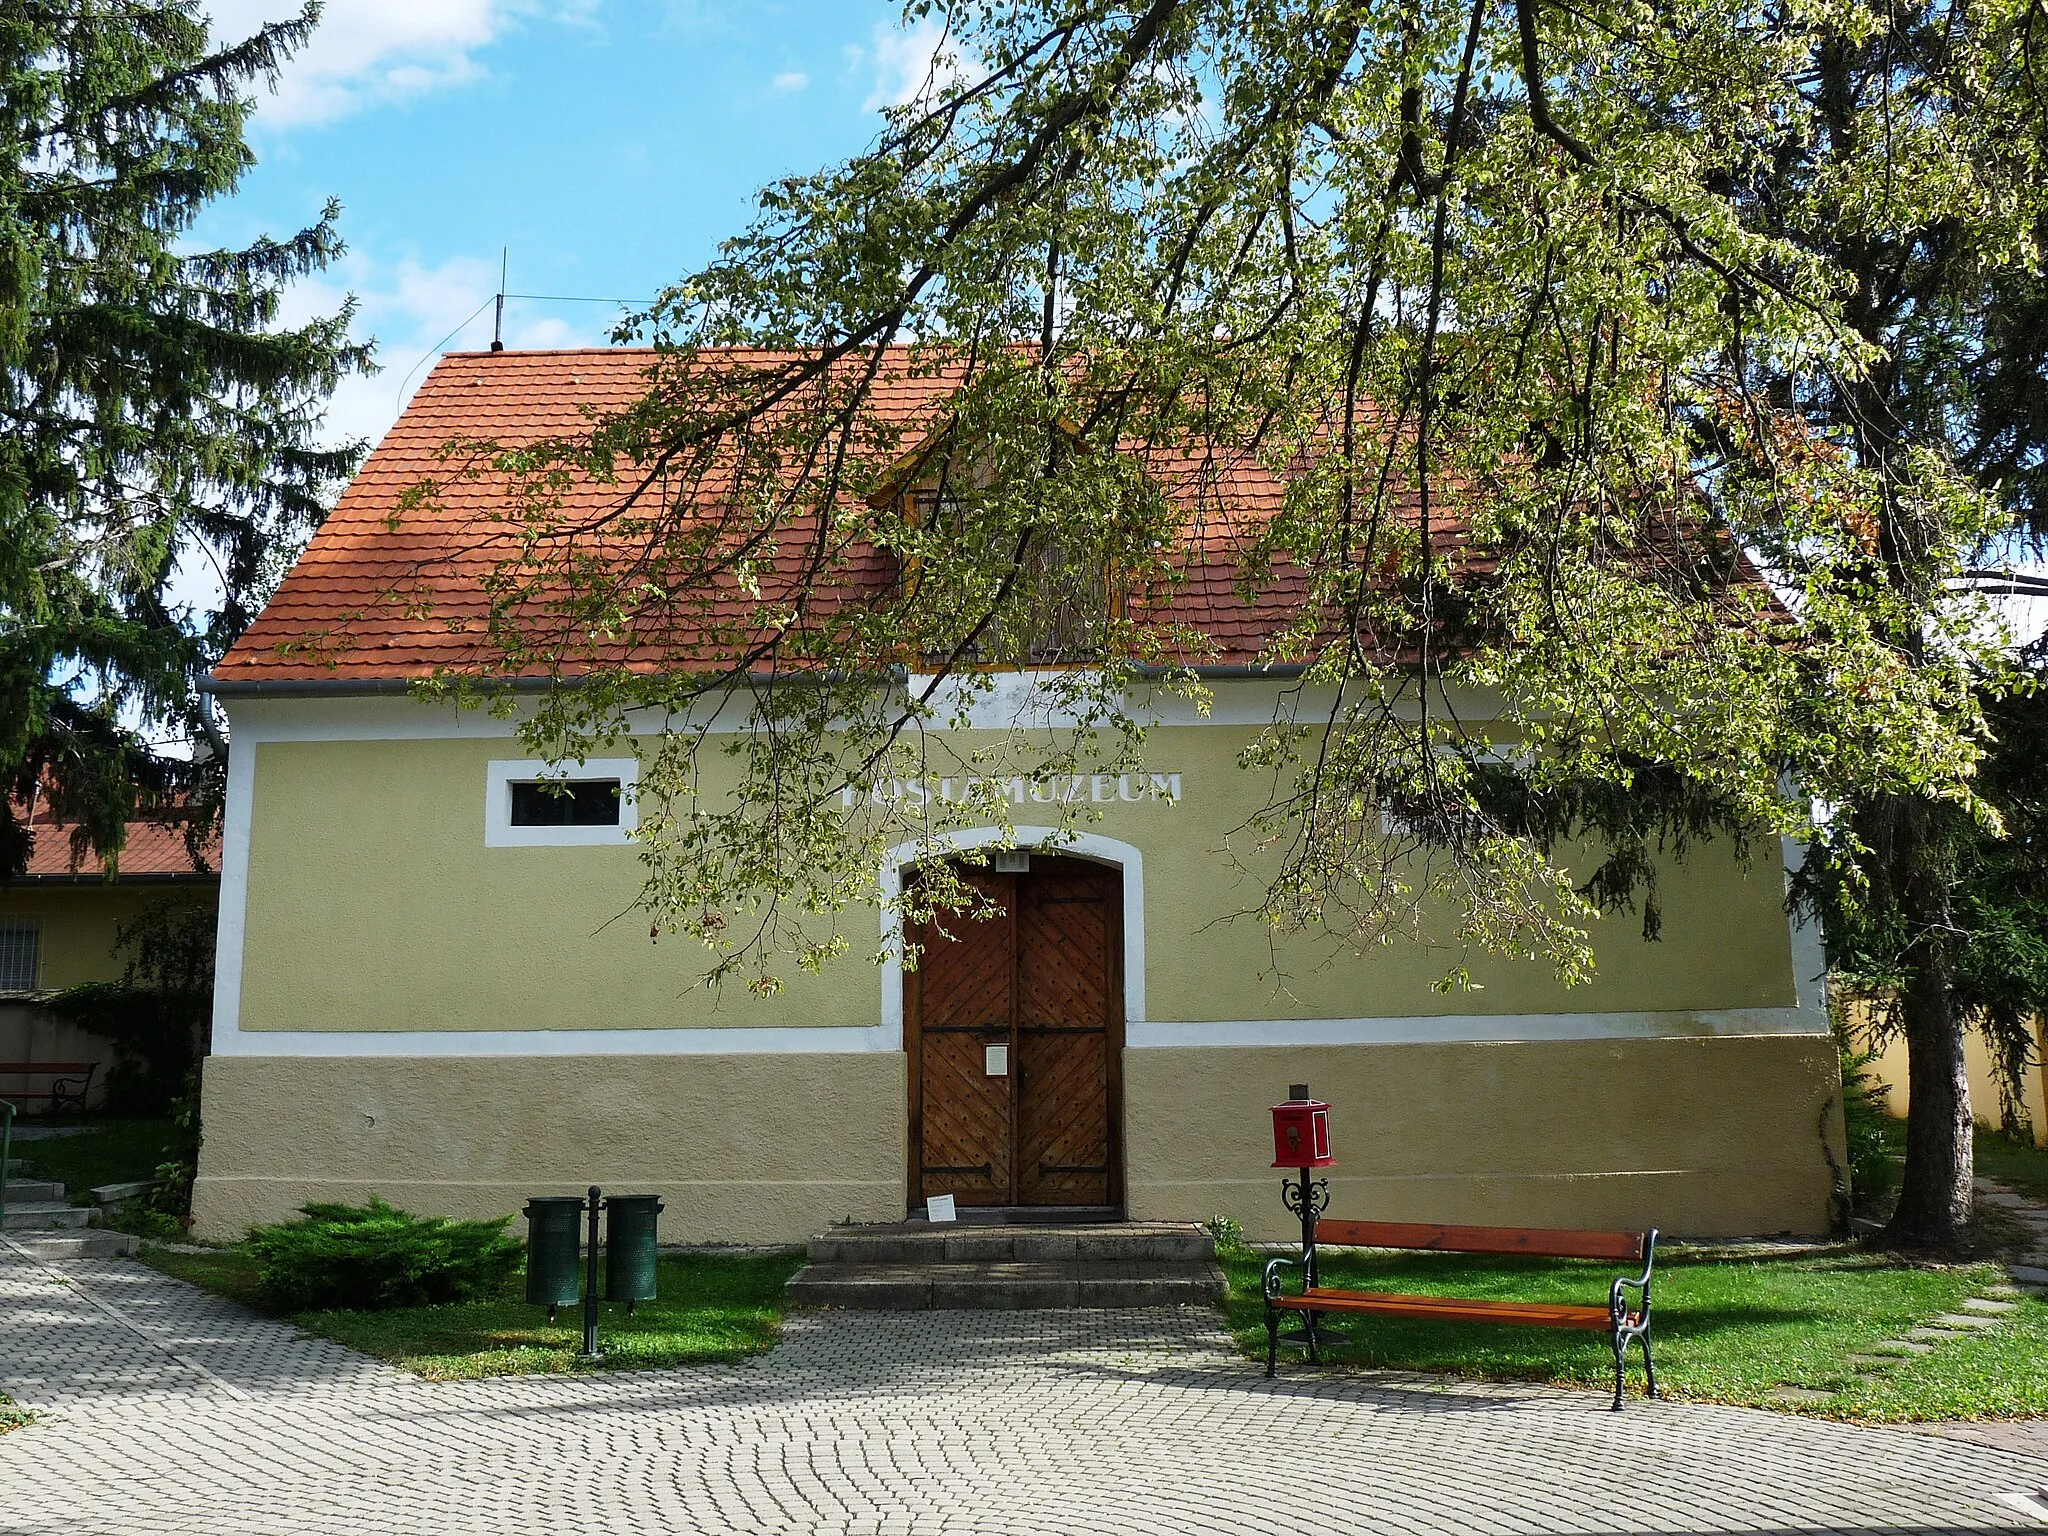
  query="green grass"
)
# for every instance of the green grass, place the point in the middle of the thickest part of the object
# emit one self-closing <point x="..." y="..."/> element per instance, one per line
<point x="712" y="1307"/>
<point x="110" y="1151"/>
<point x="2016" y="1164"/>
<point x="11" y="1416"/>
<point x="1728" y="1330"/>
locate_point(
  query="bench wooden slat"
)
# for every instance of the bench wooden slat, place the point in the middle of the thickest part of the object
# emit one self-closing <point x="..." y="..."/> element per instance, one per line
<point x="1541" y="1242"/>
<point x="1451" y="1309"/>
<point x="69" y="1081"/>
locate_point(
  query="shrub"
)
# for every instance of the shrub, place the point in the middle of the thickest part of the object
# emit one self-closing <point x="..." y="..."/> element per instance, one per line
<point x="1228" y="1232"/>
<point x="368" y="1258"/>
<point x="172" y="1197"/>
<point x="157" y="1016"/>
<point x="1871" y="1170"/>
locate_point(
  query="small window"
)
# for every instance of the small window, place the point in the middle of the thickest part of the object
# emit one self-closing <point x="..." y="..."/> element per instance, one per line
<point x="578" y="803"/>
<point x="587" y="803"/>
<point x="18" y="955"/>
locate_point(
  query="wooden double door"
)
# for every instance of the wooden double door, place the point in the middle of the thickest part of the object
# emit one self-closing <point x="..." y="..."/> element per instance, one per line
<point x="1014" y="1026"/>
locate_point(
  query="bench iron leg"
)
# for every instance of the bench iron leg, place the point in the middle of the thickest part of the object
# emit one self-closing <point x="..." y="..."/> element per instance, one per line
<point x="1620" y="1360"/>
<point x="1272" y="1342"/>
<point x="1649" y="1367"/>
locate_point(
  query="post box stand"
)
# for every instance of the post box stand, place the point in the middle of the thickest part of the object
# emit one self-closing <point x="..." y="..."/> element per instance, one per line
<point x="1301" y="1141"/>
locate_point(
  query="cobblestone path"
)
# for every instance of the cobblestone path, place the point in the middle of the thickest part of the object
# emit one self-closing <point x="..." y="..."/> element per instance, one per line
<point x="169" y="1411"/>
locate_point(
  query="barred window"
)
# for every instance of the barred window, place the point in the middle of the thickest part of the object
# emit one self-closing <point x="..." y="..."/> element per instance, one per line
<point x="18" y="939"/>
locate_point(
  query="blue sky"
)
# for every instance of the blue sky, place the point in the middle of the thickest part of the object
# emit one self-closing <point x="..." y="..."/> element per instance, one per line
<point x="609" y="144"/>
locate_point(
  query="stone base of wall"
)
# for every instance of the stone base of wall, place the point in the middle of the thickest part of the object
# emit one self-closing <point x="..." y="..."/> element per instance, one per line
<point x="1708" y="1137"/>
<point x="754" y="1149"/>
<point x="1717" y="1136"/>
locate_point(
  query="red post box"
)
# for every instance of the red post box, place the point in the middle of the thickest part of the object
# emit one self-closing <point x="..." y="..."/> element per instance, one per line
<point x="1301" y="1131"/>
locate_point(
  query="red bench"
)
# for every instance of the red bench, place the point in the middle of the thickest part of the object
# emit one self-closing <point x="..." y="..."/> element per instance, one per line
<point x="1622" y="1324"/>
<point x="68" y="1082"/>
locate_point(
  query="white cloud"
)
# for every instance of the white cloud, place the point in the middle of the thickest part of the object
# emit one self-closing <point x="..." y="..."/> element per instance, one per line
<point x="367" y="51"/>
<point x="913" y="63"/>
<point x="791" y="80"/>
<point x="411" y="310"/>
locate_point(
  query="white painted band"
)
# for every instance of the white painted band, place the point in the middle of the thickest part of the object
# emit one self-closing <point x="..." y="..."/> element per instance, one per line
<point x="1447" y="1029"/>
<point x="739" y="1040"/>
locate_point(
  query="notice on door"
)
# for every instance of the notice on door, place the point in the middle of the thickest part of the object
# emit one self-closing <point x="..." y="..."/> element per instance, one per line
<point x="995" y="1061"/>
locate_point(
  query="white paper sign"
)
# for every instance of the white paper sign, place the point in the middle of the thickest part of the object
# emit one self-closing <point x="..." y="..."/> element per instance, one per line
<point x="995" y="1060"/>
<point x="939" y="1208"/>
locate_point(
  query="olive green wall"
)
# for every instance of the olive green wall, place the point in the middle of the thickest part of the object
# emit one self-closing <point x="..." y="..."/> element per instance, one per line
<point x="373" y="904"/>
<point x="1706" y="1137"/>
<point x="1694" y="1136"/>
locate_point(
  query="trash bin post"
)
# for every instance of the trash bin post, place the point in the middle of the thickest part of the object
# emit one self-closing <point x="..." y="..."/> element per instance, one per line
<point x="596" y="1204"/>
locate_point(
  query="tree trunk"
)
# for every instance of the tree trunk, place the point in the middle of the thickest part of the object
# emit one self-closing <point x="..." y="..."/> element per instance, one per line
<point x="1936" y="1198"/>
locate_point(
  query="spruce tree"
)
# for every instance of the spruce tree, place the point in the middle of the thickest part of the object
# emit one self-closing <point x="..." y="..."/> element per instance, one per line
<point x="157" y="423"/>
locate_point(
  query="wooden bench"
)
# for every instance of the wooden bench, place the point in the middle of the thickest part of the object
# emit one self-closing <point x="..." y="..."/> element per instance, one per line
<point x="1622" y="1324"/>
<point x="69" y="1081"/>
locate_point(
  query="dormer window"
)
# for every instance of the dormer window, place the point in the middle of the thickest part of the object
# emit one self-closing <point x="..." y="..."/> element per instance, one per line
<point x="1057" y="607"/>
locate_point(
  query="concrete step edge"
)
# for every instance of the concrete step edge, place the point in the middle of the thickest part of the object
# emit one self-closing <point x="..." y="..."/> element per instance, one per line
<point x="46" y="1215"/>
<point x="1022" y="1247"/>
<point x="31" y="1191"/>
<point x="1023" y="1286"/>
<point x="91" y="1244"/>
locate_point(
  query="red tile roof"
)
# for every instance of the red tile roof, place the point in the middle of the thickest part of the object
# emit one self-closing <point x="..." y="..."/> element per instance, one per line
<point x="155" y="849"/>
<point x="388" y="590"/>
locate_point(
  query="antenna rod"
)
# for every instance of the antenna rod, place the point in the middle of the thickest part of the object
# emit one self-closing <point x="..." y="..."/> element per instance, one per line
<point x="498" y="324"/>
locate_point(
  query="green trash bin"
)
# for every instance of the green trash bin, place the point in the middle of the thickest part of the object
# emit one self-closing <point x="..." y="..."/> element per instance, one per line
<point x="629" y="1256"/>
<point x="553" y="1248"/>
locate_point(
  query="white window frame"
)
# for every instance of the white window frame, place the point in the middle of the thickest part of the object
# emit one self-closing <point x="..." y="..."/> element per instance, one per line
<point x="502" y="773"/>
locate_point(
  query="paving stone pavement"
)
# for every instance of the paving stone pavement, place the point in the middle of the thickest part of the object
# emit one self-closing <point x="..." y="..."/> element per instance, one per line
<point x="862" y="1424"/>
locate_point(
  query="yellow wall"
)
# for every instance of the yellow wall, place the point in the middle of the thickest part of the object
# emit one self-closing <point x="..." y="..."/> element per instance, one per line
<point x="1890" y="1069"/>
<point x="374" y="904"/>
<point x="1697" y="1136"/>
<point x="78" y="925"/>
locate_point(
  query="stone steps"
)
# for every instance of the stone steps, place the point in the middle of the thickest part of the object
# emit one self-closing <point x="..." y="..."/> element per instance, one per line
<point x="1013" y="1286"/>
<point x="92" y="1243"/>
<point x="992" y="1264"/>
<point x="917" y="1242"/>
<point x="41" y="1190"/>
<point x="47" y="1216"/>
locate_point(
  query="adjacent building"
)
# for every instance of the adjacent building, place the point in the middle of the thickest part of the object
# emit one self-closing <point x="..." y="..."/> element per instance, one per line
<point x="60" y="922"/>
